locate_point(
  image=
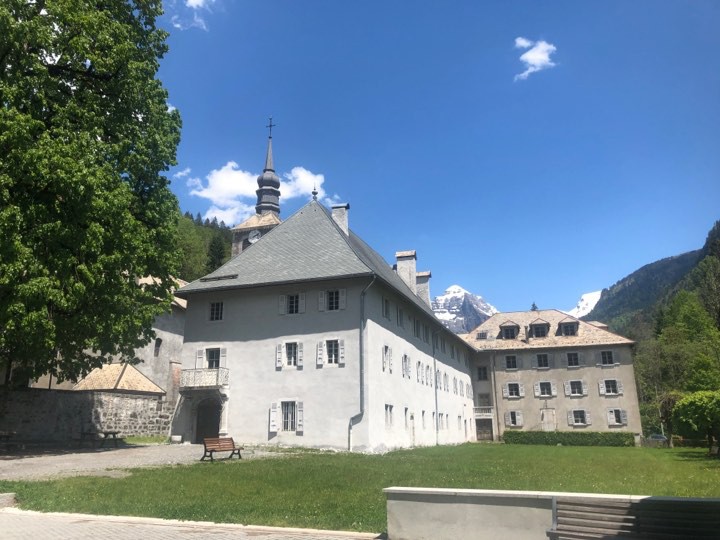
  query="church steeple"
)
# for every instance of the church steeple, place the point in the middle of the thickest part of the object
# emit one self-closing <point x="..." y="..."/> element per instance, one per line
<point x="268" y="192"/>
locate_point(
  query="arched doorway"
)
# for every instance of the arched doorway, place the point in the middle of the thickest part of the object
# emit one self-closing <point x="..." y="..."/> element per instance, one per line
<point x="207" y="420"/>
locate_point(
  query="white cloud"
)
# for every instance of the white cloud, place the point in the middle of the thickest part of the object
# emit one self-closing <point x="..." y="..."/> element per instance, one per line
<point x="182" y="174"/>
<point x="185" y="23"/>
<point x="536" y="58"/>
<point x="171" y="107"/>
<point x="232" y="190"/>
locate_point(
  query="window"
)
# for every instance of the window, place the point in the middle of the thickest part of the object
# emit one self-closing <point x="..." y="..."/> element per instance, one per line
<point x="443" y="345"/>
<point x="213" y="358"/>
<point x="400" y="317"/>
<point x="543" y="361"/>
<point x="333" y="300"/>
<point x="419" y="371"/>
<point x="459" y="422"/>
<point x="509" y="332"/>
<point x="468" y="390"/>
<point x="514" y="418"/>
<point x="606" y="358"/>
<point x="158" y="344"/>
<point x="452" y="351"/>
<point x="288" y="416"/>
<point x="568" y="329"/>
<point x="481" y="335"/>
<point x="386" y="308"/>
<point x="388" y="416"/>
<point x="428" y="379"/>
<point x="579" y="417"/>
<point x="216" y="311"/>
<point x="483" y="400"/>
<point x="290" y="304"/>
<point x="418" y="328"/>
<point x="511" y="362"/>
<point x="575" y="388"/>
<point x="386" y="358"/>
<point x="407" y="420"/>
<point x="544" y="389"/>
<point x="426" y="333"/>
<point x="617" y="417"/>
<point x="512" y="390"/>
<point x="455" y="388"/>
<point x="539" y="330"/>
<point x="333" y="351"/>
<point x="423" y="419"/>
<point x="291" y="354"/>
<point x="461" y="389"/>
<point x="446" y="382"/>
<point x="406" y="366"/>
<point x="610" y="387"/>
<point x="573" y="360"/>
<point x="482" y="373"/>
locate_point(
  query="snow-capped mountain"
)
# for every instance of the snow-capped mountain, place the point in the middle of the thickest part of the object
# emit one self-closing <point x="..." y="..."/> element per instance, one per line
<point x="585" y="305"/>
<point x="460" y="310"/>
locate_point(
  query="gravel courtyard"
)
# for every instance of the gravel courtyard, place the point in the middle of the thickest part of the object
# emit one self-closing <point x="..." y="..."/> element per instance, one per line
<point x="58" y="463"/>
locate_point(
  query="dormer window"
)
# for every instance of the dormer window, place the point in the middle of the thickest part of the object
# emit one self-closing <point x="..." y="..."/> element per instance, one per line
<point x="568" y="329"/>
<point x="539" y="330"/>
<point x="509" y="332"/>
<point x="482" y="335"/>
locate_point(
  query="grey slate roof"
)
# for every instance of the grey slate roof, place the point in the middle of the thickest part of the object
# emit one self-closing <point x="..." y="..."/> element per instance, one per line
<point x="308" y="246"/>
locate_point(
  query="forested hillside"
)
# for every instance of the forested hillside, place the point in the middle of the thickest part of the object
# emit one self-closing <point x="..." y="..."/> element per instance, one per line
<point x="678" y="365"/>
<point x="204" y="245"/>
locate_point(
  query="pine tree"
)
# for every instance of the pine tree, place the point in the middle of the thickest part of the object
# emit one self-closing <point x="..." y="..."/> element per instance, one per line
<point x="216" y="253"/>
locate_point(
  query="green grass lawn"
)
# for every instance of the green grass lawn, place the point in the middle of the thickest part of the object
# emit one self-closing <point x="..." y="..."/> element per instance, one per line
<point x="344" y="491"/>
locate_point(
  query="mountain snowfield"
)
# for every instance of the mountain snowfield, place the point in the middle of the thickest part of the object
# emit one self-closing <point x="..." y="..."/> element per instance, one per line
<point x="461" y="311"/>
<point x="585" y="305"/>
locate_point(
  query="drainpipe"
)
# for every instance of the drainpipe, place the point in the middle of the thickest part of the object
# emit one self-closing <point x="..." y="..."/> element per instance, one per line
<point x="356" y="419"/>
<point x="496" y="398"/>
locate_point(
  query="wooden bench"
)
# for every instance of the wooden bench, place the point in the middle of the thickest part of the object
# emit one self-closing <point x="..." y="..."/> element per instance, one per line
<point x="651" y="517"/>
<point x="220" y="444"/>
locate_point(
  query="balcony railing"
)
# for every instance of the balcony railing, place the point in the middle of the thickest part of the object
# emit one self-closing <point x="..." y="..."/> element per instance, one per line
<point x="483" y="412"/>
<point x="203" y="378"/>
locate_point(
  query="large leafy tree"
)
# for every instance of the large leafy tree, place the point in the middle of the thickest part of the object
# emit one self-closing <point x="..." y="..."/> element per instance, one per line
<point x="85" y="213"/>
<point x="701" y="412"/>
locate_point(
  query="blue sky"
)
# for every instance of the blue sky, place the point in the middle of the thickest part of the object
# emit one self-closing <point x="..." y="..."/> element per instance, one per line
<point x="529" y="151"/>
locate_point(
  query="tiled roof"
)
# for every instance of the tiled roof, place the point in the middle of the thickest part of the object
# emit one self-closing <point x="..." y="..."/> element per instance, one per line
<point x="258" y="220"/>
<point x="118" y="377"/>
<point x="587" y="333"/>
<point x="308" y="246"/>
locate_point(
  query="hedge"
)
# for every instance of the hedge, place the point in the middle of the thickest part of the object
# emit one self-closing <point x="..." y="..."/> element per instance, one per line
<point x="570" y="438"/>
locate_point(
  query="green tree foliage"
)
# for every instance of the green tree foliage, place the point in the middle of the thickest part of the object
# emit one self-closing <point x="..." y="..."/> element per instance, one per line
<point x="85" y="131"/>
<point x="216" y="253"/>
<point x="193" y="249"/>
<point x="701" y="412"/>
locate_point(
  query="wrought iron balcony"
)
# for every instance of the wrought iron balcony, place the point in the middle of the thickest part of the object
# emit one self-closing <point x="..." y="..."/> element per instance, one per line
<point x="204" y="378"/>
<point x="483" y="412"/>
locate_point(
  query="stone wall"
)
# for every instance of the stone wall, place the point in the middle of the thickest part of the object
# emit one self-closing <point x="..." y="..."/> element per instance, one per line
<point x="59" y="415"/>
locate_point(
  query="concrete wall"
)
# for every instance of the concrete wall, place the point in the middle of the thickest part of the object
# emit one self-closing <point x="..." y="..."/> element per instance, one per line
<point x="60" y="415"/>
<point x="536" y="410"/>
<point x="438" y="514"/>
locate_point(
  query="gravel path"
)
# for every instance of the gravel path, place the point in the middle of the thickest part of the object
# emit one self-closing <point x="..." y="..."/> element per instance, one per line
<point x="60" y="463"/>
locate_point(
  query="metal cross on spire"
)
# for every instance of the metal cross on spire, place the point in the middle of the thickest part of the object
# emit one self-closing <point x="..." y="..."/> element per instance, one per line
<point x="270" y="126"/>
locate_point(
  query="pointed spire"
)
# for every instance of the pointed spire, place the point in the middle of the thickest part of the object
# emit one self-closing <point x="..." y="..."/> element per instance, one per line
<point x="268" y="192"/>
<point x="314" y="193"/>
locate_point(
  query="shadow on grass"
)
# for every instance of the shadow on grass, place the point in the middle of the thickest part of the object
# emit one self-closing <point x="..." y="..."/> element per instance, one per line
<point x="689" y="455"/>
<point x="29" y="450"/>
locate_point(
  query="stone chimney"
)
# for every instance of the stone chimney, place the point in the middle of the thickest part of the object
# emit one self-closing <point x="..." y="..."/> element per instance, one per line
<point x="422" y="280"/>
<point x="340" y="215"/>
<point x="405" y="265"/>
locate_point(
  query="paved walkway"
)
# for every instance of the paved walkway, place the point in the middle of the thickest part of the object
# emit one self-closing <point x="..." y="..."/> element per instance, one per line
<point x="24" y="525"/>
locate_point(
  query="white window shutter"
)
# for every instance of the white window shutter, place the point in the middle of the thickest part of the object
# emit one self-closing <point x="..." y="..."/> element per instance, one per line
<point x="536" y="389"/>
<point x="611" y="417"/>
<point x="553" y="388"/>
<point x="200" y="358"/>
<point x="623" y="417"/>
<point x="584" y="388"/>
<point x="300" y="421"/>
<point x="588" y="420"/>
<point x="279" y="356"/>
<point x="619" y="387"/>
<point x="522" y="389"/>
<point x="223" y="357"/>
<point x="341" y="353"/>
<point x="598" y="357"/>
<point x="519" y="418"/>
<point x="273" y="417"/>
<point x="506" y="393"/>
<point x="519" y="361"/>
<point x="320" y="346"/>
<point x="282" y="304"/>
<point x="299" y="354"/>
<point x="321" y="301"/>
<point x="567" y="388"/>
<point x="301" y="306"/>
<point x="533" y="362"/>
<point x="343" y="298"/>
<point x="571" y="418"/>
<point x="601" y="387"/>
<point x="507" y="418"/>
<point x="581" y="359"/>
<point x="551" y="360"/>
